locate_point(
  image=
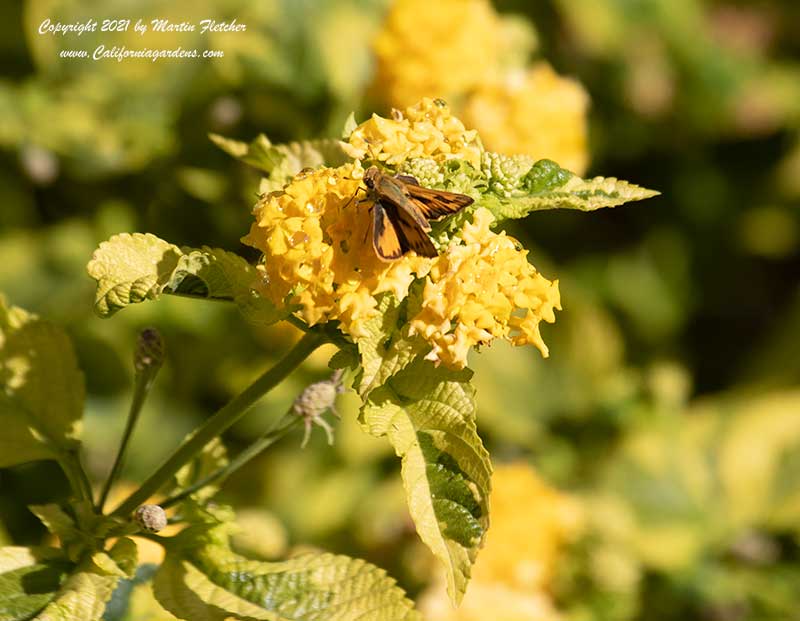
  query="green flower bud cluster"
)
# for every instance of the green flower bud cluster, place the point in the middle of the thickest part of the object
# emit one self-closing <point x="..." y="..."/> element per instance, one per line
<point x="504" y="173"/>
<point x="454" y="175"/>
<point x="425" y="170"/>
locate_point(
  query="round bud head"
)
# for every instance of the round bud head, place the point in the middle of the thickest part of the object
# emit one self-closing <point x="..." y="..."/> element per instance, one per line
<point x="151" y="518"/>
<point x="149" y="350"/>
<point x="316" y="399"/>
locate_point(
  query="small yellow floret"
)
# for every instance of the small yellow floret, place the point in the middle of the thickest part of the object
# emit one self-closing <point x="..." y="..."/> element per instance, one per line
<point x="426" y="129"/>
<point x="318" y="253"/>
<point x="482" y="289"/>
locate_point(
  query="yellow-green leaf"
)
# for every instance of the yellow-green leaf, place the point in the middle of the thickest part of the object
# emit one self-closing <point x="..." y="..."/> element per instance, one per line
<point x="29" y="579"/>
<point x="201" y="579"/>
<point x="41" y="389"/>
<point x="428" y="415"/>
<point x="132" y="268"/>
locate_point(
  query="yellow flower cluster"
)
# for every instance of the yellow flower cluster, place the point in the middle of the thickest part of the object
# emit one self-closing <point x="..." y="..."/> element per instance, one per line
<point x="459" y="50"/>
<point x="319" y="260"/>
<point x="318" y="253"/>
<point x="481" y="289"/>
<point x="426" y="129"/>
<point x="441" y="48"/>
<point x="531" y="522"/>
<point x="536" y="112"/>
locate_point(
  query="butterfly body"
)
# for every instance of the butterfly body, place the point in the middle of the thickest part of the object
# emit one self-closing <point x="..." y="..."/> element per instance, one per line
<point x="401" y="213"/>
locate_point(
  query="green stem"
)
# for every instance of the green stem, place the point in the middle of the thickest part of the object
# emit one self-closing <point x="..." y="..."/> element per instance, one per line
<point x="275" y="433"/>
<point x="76" y="475"/>
<point x="142" y="386"/>
<point x="298" y="323"/>
<point x="219" y="422"/>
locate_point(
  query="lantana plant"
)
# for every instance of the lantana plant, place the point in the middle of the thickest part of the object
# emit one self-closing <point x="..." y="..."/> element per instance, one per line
<point x="404" y="330"/>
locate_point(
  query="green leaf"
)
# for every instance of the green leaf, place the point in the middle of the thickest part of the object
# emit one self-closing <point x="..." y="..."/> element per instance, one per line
<point x="428" y="415"/>
<point x="548" y="186"/>
<point x="42" y="394"/>
<point x="39" y="579"/>
<point x="29" y="579"/>
<point x="55" y="520"/>
<point x="84" y="594"/>
<point x="133" y="599"/>
<point x="211" y="458"/>
<point x="281" y="162"/>
<point x="512" y="186"/>
<point x="132" y="268"/>
<point x="350" y="124"/>
<point x="203" y="580"/>
<point x="382" y="350"/>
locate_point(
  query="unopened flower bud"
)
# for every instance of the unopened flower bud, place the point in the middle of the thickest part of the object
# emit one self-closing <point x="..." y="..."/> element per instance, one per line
<point x="317" y="399"/>
<point x="149" y="353"/>
<point x="151" y="518"/>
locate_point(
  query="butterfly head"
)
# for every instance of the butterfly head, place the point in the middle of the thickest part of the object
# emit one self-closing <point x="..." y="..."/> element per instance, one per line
<point x="370" y="176"/>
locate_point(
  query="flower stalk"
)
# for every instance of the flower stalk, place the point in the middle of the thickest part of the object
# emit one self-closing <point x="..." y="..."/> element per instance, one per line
<point x="219" y="422"/>
<point x="273" y="434"/>
<point x="147" y="361"/>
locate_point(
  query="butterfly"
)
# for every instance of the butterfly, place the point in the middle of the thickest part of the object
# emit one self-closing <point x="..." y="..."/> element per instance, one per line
<point x="401" y="211"/>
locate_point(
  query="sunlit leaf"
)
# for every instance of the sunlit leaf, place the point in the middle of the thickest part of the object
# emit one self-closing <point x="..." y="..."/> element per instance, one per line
<point x="428" y="415"/>
<point x="203" y="580"/>
<point x="41" y="400"/>
<point x="281" y="162"/>
<point x="134" y="268"/>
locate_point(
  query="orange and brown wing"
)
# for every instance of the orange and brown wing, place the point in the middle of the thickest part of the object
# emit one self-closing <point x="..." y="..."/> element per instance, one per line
<point x="412" y="235"/>
<point x="437" y="203"/>
<point x="385" y="238"/>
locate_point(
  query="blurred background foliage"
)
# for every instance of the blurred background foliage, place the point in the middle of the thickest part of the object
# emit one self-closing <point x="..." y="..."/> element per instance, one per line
<point x="654" y="458"/>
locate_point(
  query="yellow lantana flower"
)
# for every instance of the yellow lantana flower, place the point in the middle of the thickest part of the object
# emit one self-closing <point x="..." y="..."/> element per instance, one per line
<point x="431" y="49"/>
<point x="426" y="129"/>
<point x="481" y="288"/>
<point x="319" y="260"/>
<point x="535" y="112"/>
<point x="318" y="254"/>
<point x="531" y="522"/>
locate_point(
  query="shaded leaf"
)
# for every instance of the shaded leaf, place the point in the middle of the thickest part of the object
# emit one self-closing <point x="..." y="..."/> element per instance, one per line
<point x="55" y="520"/>
<point x="84" y="594"/>
<point x="211" y="458"/>
<point x="29" y="579"/>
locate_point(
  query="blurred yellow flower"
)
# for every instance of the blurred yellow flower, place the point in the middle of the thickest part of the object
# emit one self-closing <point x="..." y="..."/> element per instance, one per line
<point x="489" y="602"/>
<point x="535" y="112"/>
<point x="426" y="129"/>
<point x="531" y="522"/>
<point x="481" y="289"/>
<point x="436" y="49"/>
